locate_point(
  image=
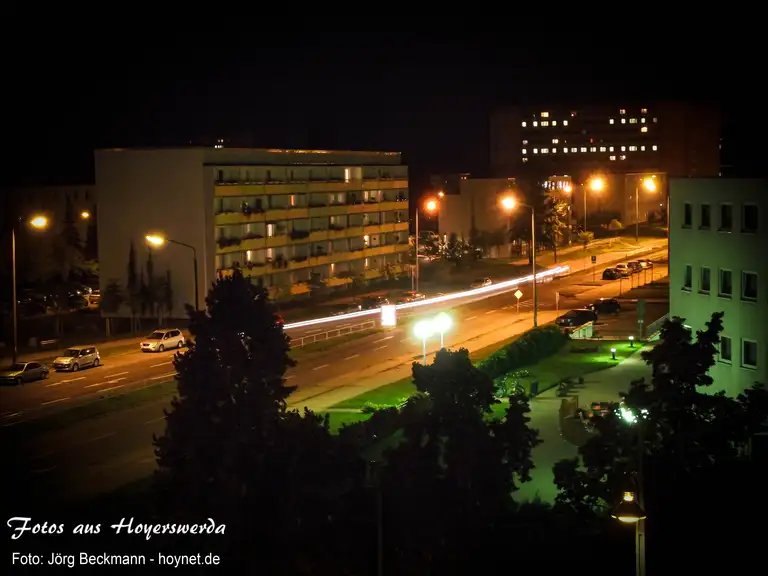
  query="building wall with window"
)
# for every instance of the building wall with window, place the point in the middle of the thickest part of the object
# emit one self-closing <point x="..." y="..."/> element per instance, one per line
<point x="290" y="219"/>
<point x="717" y="263"/>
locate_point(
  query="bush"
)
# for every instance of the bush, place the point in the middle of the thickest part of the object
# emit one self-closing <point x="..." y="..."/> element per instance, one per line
<point x="531" y="347"/>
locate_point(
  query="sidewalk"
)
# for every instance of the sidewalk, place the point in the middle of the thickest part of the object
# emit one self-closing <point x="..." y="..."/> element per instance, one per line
<point x="545" y="416"/>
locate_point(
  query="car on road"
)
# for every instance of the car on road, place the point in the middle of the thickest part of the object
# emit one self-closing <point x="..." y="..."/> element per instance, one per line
<point x="605" y="306"/>
<point x="21" y="372"/>
<point x="410" y="296"/>
<point x="575" y="318"/>
<point x="372" y="302"/>
<point x="78" y="357"/>
<point x="624" y="270"/>
<point x="162" y="340"/>
<point x="481" y="283"/>
<point x="611" y="274"/>
<point x="635" y="266"/>
<point x="645" y="263"/>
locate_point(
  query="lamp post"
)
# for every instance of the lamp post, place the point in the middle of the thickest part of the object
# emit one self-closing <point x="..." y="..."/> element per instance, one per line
<point x="568" y="189"/>
<point x="39" y="222"/>
<point x="649" y="185"/>
<point x="431" y="206"/>
<point x="508" y="204"/>
<point x="596" y="184"/>
<point x="442" y="324"/>
<point x="423" y="330"/>
<point x="159" y="240"/>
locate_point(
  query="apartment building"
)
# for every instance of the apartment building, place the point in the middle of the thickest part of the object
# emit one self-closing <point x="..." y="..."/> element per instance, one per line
<point x="292" y="220"/>
<point x="718" y="229"/>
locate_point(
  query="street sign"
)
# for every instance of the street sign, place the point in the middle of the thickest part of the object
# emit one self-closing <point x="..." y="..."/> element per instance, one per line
<point x="388" y="316"/>
<point x="594" y="259"/>
<point x="518" y="294"/>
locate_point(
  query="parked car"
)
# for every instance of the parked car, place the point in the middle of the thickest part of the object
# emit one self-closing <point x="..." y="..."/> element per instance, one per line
<point x="410" y="296"/>
<point x="21" y="372"/>
<point x="635" y="266"/>
<point x="624" y="270"/>
<point x="162" y="340"/>
<point x="605" y="306"/>
<point x="372" y="302"/>
<point x="481" y="283"/>
<point x="645" y="263"/>
<point x="574" y="318"/>
<point x="78" y="357"/>
<point x="611" y="274"/>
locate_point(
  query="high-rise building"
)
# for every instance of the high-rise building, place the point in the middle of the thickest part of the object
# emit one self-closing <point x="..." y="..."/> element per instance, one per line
<point x="292" y="220"/>
<point x="717" y="227"/>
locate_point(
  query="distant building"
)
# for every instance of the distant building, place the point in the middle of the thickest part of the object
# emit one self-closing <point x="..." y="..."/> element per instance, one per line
<point x="449" y="184"/>
<point x="292" y="220"/>
<point x="476" y="205"/>
<point x="717" y="227"/>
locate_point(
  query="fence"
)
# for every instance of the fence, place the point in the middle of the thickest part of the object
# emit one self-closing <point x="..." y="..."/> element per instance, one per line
<point x="653" y="329"/>
<point x="331" y="334"/>
<point x="582" y="332"/>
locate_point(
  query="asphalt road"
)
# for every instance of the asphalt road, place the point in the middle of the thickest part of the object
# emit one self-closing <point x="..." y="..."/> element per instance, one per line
<point x="100" y="454"/>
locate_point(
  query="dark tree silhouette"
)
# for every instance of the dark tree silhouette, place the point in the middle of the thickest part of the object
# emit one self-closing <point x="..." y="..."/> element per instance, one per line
<point x="151" y="291"/>
<point x="133" y="285"/>
<point x="91" y="250"/>
<point x="111" y="300"/>
<point x="69" y="231"/>
<point x="167" y="295"/>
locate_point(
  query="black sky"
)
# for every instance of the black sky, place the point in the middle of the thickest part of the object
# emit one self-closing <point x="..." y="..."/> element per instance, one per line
<point x="430" y="100"/>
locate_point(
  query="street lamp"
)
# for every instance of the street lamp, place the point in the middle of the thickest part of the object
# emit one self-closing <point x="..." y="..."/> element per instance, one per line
<point x="423" y="330"/>
<point x="430" y="206"/>
<point x="40" y="223"/>
<point x="568" y="189"/>
<point x="508" y="204"/>
<point x="442" y="323"/>
<point x="650" y="186"/>
<point x="85" y="215"/>
<point x="596" y="184"/>
<point x="159" y="241"/>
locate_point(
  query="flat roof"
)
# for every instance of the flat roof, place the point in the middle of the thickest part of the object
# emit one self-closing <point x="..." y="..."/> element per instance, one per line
<point x="296" y="151"/>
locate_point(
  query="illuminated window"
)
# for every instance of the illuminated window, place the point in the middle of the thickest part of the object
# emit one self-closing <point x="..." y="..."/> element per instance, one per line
<point x="633" y="120"/>
<point x="613" y="157"/>
<point x="623" y="148"/>
<point x="610" y="149"/>
<point x="524" y="124"/>
<point x="544" y="123"/>
<point x="554" y="122"/>
<point x="565" y="122"/>
<point x="602" y="148"/>
<point x="633" y="148"/>
<point x="574" y="150"/>
<point x="644" y="111"/>
<point x="593" y="149"/>
<point x="642" y="120"/>
<point x="573" y="114"/>
<point x="525" y="151"/>
<point x="610" y="121"/>
<point x="545" y="114"/>
<point x="565" y="150"/>
<point x="622" y="111"/>
<point x="535" y="124"/>
<point x="545" y="150"/>
<point x="555" y="141"/>
<point x="583" y="149"/>
<point x="622" y="157"/>
<point x="623" y="120"/>
<point x="644" y="129"/>
<point x="535" y="150"/>
<point x="525" y="159"/>
<point x="525" y="142"/>
<point x="655" y="120"/>
<point x="642" y="148"/>
<point x="654" y="147"/>
<point x="554" y="150"/>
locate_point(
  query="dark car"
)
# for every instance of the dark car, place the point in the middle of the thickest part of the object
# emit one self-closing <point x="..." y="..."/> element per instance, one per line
<point x="574" y="318"/>
<point x="635" y="266"/>
<point x="372" y="302"/>
<point x="611" y="274"/>
<point x="605" y="306"/>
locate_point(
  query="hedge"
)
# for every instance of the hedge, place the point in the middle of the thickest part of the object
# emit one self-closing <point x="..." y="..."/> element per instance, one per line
<point x="531" y="347"/>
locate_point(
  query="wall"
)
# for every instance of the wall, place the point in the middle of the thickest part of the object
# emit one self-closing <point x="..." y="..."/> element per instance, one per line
<point x="476" y="204"/>
<point x="734" y="251"/>
<point x="145" y="191"/>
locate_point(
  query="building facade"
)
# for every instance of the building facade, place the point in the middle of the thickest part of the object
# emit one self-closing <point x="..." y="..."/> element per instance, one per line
<point x="717" y="229"/>
<point x="475" y="206"/>
<point x="292" y="220"/>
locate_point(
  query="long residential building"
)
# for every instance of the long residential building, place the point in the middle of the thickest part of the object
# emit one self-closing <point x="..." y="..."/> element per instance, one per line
<point x="718" y="229"/>
<point x="292" y="220"/>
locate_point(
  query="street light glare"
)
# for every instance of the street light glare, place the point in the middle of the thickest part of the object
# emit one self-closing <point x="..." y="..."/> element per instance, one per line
<point x="424" y="329"/>
<point x="649" y="185"/>
<point x="441" y="194"/>
<point x="442" y="322"/>
<point x="430" y="205"/>
<point x="597" y="184"/>
<point x="568" y="189"/>
<point x="508" y="203"/>
<point x="85" y="214"/>
<point x="155" y="239"/>
<point x="39" y="222"/>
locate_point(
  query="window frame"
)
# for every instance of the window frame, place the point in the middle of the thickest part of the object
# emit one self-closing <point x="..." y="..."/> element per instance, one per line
<point x="720" y="292"/>
<point x="688" y="274"/>
<point x="757" y="351"/>
<point x="708" y="289"/>
<point x="702" y="224"/>
<point x="687" y="215"/>
<point x="744" y="297"/>
<point x="720" y="357"/>
<point x="720" y="226"/>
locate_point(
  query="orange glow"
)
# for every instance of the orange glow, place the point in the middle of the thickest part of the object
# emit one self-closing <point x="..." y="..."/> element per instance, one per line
<point x="596" y="184"/>
<point x="431" y="205"/>
<point x="649" y="185"/>
<point x="441" y="194"/>
<point x="568" y="189"/>
<point x="508" y="203"/>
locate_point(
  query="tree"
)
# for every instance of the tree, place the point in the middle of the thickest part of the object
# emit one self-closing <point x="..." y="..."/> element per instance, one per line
<point x="150" y="299"/>
<point x="167" y="295"/>
<point x="69" y="231"/>
<point x="687" y="439"/>
<point x="111" y="301"/>
<point x="133" y="285"/>
<point x="91" y="251"/>
<point x="554" y="220"/>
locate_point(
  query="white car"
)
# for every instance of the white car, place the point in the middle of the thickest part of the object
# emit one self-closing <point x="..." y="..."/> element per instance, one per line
<point x="162" y="340"/>
<point x="481" y="283"/>
<point x="623" y="270"/>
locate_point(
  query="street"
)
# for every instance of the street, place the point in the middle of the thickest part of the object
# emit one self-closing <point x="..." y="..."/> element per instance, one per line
<point x="101" y="454"/>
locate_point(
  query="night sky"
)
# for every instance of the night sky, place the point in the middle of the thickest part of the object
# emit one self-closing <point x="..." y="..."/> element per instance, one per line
<point x="430" y="100"/>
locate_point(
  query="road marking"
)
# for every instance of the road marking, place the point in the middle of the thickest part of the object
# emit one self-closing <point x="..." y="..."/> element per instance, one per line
<point x="353" y="356"/>
<point x="507" y="307"/>
<point x="291" y="376"/>
<point x="64" y="381"/>
<point x="43" y="470"/>
<point x="54" y="401"/>
<point x="491" y="311"/>
<point x="148" y="422"/>
<point x="97" y="438"/>
<point x="118" y="374"/>
<point x="161" y="364"/>
<point x="319" y="367"/>
<point x="114" y="381"/>
<point x="382" y="340"/>
<point x="379" y="348"/>
<point x="113" y="388"/>
<point x="471" y="317"/>
<point x="11" y="414"/>
<point x="164" y="376"/>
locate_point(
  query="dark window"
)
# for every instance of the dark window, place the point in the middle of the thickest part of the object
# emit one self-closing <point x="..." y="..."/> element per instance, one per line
<point x="688" y="214"/>
<point x="688" y="279"/>
<point x="749" y="353"/>
<point x="706" y="216"/>
<point x="705" y="280"/>
<point x="749" y="222"/>
<point x="726" y="351"/>
<point x="726" y="217"/>
<point x="749" y="286"/>
<point x="726" y="283"/>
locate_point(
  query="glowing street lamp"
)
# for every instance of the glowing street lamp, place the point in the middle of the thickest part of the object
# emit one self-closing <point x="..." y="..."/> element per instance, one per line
<point x="158" y="241"/>
<point x="597" y="185"/>
<point x="430" y="206"/>
<point x="85" y="215"/>
<point x="442" y="323"/>
<point x="423" y="330"/>
<point x="509" y="204"/>
<point x="39" y="222"/>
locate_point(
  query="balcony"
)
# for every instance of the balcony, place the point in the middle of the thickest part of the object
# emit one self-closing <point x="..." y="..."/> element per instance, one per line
<point x="237" y="189"/>
<point x="279" y="214"/>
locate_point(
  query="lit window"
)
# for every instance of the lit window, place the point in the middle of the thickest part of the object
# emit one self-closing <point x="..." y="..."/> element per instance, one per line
<point x="545" y="150"/>
<point x="642" y="148"/>
<point x="525" y="159"/>
<point x="554" y="122"/>
<point x="654" y="147"/>
<point x="622" y="111"/>
<point x="642" y="120"/>
<point x="610" y="149"/>
<point x="655" y="120"/>
<point x="524" y="124"/>
<point x="602" y="148"/>
<point x="535" y="124"/>
<point x="545" y="114"/>
<point x="623" y="148"/>
<point x="633" y="120"/>
<point x="593" y="149"/>
<point x="525" y="151"/>
<point x="544" y="123"/>
<point x="555" y="141"/>
<point x="622" y="157"/>
<point x="554" y="150"/>
<point x="525" y="142"/>
<point x="610" y="121"/>
<point x="535" y="150"/>
<point x="613" y="157"/>
<point x="565" y="150"/>
<point x="574" y="150"/>
<point x="623" y="120"/>
<point x="573" y="114"/>
<point x="565" y="122"/>
<point x="644" y="129"/>
<point x="644" y="111"/>
<point x="583" y="149"/>
<point x="633" y="148"/>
